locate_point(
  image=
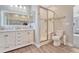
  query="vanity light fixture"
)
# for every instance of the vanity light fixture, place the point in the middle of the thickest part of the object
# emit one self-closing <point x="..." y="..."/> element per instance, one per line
<point x="11" y="5"/>
<point x="24" y="7"/>
<point x="16" y="15"/>
<point x="23" y="16"/>
<point x="18" y="6"/>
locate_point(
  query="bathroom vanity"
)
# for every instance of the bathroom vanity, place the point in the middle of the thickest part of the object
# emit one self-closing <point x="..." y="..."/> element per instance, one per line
<point x="13" y="39"/>
<point x="15" y="28"/>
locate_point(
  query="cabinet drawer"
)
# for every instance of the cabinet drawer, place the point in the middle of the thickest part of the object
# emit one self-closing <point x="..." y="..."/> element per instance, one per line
<point x="30" y="36"/>
<point x="23" y="41"/>
<point x="20" y="37"/>
<point x="20" y="33"/>
<point x="20" y="43"/>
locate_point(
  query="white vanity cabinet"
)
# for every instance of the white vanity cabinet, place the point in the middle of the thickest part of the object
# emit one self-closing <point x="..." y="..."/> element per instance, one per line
<point x="7" y="40"/>
<point x="24" y="38"/>
<point x="10" y="40"/>
<point x="31" y="36"/>
<point x="2" y="44"/>
<point x="76" y="40"/>
<point x="21" y="38"/>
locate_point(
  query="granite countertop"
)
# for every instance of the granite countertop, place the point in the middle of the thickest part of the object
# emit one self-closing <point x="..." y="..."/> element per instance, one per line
<point x="16" y="30"/>
<point x="76" y="34"/>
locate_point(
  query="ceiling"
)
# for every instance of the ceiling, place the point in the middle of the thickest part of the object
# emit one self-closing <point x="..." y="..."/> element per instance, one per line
<point x="56" y="7"/>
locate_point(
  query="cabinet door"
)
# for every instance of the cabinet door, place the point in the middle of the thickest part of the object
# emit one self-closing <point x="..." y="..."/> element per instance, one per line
<point x="9" y="40"/>
<point x="43" y="24"/>
<point x="2" y="42"/>
<point x="30" y="36"/>
<point x="76" y="41"/>
<point x="21" y="38"/>
<point x="26" y="38"/>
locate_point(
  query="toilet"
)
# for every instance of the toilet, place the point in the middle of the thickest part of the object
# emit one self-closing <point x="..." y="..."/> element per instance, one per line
<point x="57" y="38"/>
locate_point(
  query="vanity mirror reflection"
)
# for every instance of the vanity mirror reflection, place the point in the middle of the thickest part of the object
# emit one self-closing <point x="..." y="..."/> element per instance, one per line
<point x="15" y="15"/>
<point x="17" y="19"/>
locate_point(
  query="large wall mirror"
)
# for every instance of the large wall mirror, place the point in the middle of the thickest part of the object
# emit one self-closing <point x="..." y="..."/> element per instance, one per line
<point x="16" y="15"/>
<point x="16" y="19"/>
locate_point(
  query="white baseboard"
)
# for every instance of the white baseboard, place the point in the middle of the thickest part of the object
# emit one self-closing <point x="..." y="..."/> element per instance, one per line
<point x="16" y="47"/>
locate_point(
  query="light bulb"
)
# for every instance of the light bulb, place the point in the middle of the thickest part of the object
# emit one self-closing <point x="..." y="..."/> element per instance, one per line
<point x="20" y="6"/>
<point x="11" y="5"/>
<point x="16" y="6"/>
<point x="16" y="15"/>
<point x="24" y="7"/>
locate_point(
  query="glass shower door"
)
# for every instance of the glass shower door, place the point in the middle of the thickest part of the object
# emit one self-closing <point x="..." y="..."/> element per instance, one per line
<point x="43" y="24"/>
<point x="50" y="23"/>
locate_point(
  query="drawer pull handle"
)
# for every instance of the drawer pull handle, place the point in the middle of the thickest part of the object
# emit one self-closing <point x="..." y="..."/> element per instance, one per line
<point x="6" y="47"/>
<point x="5" y="35"/>
<point x="18" y="40"/>
<point x="18" y="44"/>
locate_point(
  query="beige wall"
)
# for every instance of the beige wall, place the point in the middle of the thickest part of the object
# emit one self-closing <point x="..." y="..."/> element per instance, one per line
<point x="67" y="23"/>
